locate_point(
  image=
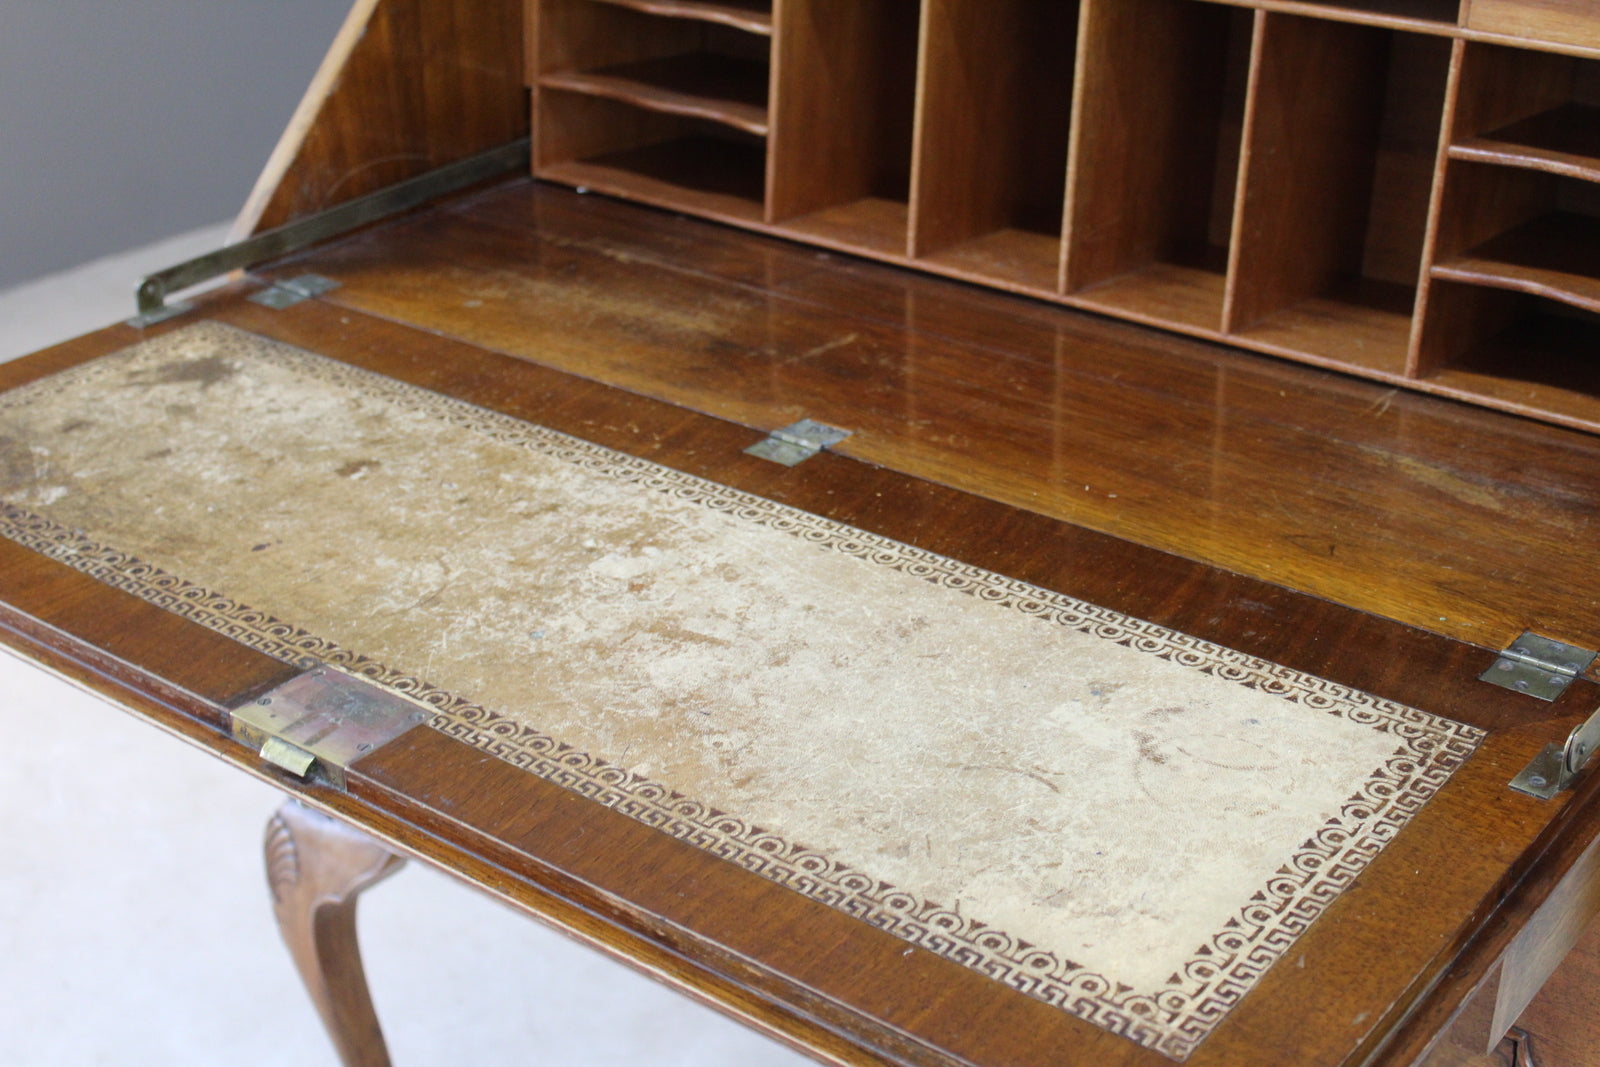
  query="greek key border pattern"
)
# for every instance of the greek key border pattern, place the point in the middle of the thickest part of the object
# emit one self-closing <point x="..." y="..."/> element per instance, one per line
<point x="1172" y="1020"/>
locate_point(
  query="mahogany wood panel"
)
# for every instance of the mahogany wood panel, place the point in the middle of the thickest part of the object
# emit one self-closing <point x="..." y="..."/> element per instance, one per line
<point x="1464" y="522"/>
<point x="409" y="85"/>
<point x="1562" y="1018"/>
<point x="805" y="970"/>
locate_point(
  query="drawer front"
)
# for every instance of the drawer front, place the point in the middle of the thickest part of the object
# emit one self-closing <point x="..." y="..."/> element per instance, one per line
<point x="1568" y="22"/>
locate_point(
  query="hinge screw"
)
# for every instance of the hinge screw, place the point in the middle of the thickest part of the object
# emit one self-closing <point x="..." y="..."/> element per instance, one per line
<point x="1537" y="781"/>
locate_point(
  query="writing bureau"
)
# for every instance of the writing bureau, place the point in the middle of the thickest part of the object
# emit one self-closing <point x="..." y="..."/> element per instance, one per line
<point x="201" y="510"/>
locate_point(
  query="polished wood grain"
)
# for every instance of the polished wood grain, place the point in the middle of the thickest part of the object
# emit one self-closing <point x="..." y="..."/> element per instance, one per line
<point x="408" y="85"/>
<point x="719" y="89"/>
<point x="1286" y="474"/>
<point x="752" y="16"/>
<point x="1475" y="861"/>
<point x="317" y="869"/>
<point x="1563" y="140"/>
<point x="1555" y="255"/>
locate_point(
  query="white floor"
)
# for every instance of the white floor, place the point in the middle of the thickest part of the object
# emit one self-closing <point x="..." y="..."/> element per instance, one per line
<point x="134" y="921"/>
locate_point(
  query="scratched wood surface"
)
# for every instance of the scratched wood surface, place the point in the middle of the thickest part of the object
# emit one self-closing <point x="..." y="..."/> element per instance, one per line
<point x="1433" y="911"/>
<point x="1464" y="522"/>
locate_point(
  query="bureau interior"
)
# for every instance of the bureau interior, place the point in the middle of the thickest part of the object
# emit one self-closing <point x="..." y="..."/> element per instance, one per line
<point x="1293" y="183"/>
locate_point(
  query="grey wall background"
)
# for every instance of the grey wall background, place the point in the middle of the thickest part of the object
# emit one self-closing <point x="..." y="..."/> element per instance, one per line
<point x="121" y="123"/>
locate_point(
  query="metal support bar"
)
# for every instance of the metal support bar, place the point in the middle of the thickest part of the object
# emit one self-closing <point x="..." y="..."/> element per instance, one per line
<point x="275" y="243"/>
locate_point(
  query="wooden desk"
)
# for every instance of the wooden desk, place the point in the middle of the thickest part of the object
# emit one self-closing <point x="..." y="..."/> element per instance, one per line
<point x="1381" y="483"/>
<point x="1267" y="523"/>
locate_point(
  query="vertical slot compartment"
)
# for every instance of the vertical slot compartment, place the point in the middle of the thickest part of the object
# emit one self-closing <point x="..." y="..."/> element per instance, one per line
<point x="994" y="109"/>
<point x="669" y="109"/>
<point x="1157" y="117"/>
<point x="845" y="87"/>
<point x="1528" y="109"/>
<point x="1343" y="136"/>
<point x="1515" y="351"/>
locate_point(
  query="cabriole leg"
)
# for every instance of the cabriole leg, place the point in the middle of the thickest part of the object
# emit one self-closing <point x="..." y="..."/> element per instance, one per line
<point x="317" y="867"/>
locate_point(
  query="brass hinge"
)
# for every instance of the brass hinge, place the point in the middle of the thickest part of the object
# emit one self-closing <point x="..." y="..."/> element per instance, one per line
<point x="1538" y="666"/>
<point x="1554" y="768"/>
<point x="316" y="724"/>
<point x="796" y="443"/>
<point x="281" y="295"/>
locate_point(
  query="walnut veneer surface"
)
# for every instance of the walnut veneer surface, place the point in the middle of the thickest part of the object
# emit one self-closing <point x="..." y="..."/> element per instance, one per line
<point x="1376" y="538"/>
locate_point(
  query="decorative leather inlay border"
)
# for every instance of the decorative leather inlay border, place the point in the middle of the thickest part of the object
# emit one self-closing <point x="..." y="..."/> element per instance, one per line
<point x="1173" y="1021"/>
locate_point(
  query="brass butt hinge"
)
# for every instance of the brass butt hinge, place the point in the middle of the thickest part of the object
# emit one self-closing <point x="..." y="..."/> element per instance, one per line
<point x="316" y="724"/>
<point x="798" y="442"/>
<point x="1538" y="666"/>
<point x="281" y="295"/>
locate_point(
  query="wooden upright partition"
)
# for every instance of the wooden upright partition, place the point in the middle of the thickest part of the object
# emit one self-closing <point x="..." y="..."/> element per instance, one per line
<point x="1345" y="124"/>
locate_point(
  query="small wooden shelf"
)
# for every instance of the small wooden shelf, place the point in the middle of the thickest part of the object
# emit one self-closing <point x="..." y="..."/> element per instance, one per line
<point x="1555" y="256"/>
<point x="871" y="224"/>
<point x="751" y="16"/>
<point x="722" y="89"/>
<point x="1563" y="140"/>
<point x="1542" y="360"/>
<point x="1445" y="12"/>
<point x="1016" y="259"/>
<point x="713" y="177"/>
<point x="1364" y="327"/>
<point x="1162" y="294"/>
